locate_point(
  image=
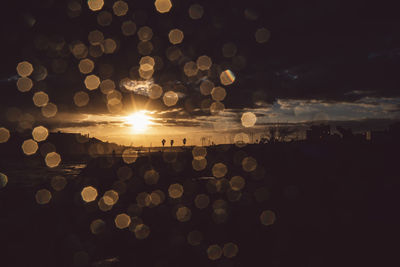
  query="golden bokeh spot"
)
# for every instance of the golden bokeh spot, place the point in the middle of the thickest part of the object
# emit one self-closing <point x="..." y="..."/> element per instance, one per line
<point x="120" y="8"/>
<point x="43" y="196"/>
<point x="24" y="84"/>
<point x="227" y="77"/>
<point x="216" y="107"/>
<point x="206" y="87"/>
<point x="40" y="133"/>
<point x="24" y="69"/>
<point x="145" y="33"/>
<point x="128" y="28"/>
<point x="3" y="180"/>
<point x="267" y="217"/>
<point x="262" y="35"/>
<point x="147" y="63"/>
<point x="190" y="69"/>
<point x="155" y="198"/>
<point x="229" y="50"/>
<point x="175" y="190"/>
<point x="122" y="221"/>
<point x="183" y="214"/>
<point x="196" y="11"/>
<point x="4" y="135"/>
<point x="241" y="139"/>
<point x="79" y="49"/>
<point x="107" y="86"/>
<point x="163" y="6"/>
<point x="86" y="66"/>
<point x="129" y="155"/>
<point x="95" y="5"/>
<point x="109" y="46"/>
<point x="53" y="159"/>
<point x="95" y="37"/>
<point x="237" y="183"/>
<point x="218" y="93"/>
<point x="142" y="231"/>
<point x="199" y="164"/>
<point x="219" y="170"/>
<point x="249" y="164"/>
<point x="176" y="36"/>
<point x="104" y="18"/>
<point x="95" y="51"/>
<point x="170" y="98"/>
<point x="143" y="199"/>
<point x="155" y="91"/>
<point x="29" y="147"/>
<point x="146" y="74"/>
<point x="111" y="197"/>
<point x="145" y="47"/>
<point x="58" y="182"/>
<point x="89" y="194"/>
<point x="97" y="226"/>
<point x="202" y="201"/>
<point x="199" y="152"/>
<point x="230" y="250"/>
<point x="174" y="53"/>
<point x="92" y="82"/>
<point x="194" y="238"/>
<point x="214" y="252"/>
<point x="40" y="99"/>
<point x="81" y="99"/>
<point x="204" y="62"/>
<point x="248" y="119"/>
<point x="151" y="177"/>
<point x="50" y="110"/>
<point x="103" y="206"/>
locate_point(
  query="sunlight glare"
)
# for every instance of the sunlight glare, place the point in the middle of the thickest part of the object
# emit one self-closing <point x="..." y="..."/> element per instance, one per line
<point x="139" y="121"/>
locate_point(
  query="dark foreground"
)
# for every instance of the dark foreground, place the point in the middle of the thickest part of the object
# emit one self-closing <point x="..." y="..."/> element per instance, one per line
<point x="335" y="205"/>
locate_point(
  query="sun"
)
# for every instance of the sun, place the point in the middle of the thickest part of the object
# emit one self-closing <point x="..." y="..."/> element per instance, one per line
<point x="139" y="121"/>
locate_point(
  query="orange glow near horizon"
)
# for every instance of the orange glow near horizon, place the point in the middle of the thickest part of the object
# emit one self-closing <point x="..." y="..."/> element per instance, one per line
<point x="139" y="121"/>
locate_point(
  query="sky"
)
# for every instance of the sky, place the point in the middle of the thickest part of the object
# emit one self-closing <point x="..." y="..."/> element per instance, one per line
<point x="285" y="62"/>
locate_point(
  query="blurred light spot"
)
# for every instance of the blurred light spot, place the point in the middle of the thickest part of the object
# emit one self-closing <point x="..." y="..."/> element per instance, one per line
<point x="173" y="53"/>
<point x="143" y="199"/>
<point x="104" y="18"/>
<point x="250" y="14"/>
<point x="214" y="252"/>
<point x="120" y="8"/>
<point x="267" y="217"/>
<point x="142" y="231"/>
<point x="237" y="183"/>
<point x="190" y="69"/>
<point x="40" y="99"/>
<point x="4" y="135"/>
<point x="199" y="164"/>
<point x="29" y="147"/>
<point x="50" y="110"/>
<point x="40" y="133"/>
<point x="122" y="221"/>
<point x="53" y="159"/>
<point x="86" y="66"/>
<point x="145" y="33"/>
<point x="95" y="5"/>
<point x="229" y="50"/>
<point x="89" y="194"/>
<point x="202" y="201"/>
<point x="145" y="48"/>
<point x="155" y="91"/>
<point x="170" y="98"/>
<point x="97" y="226"/>
<point x="109" y="46"/>
<point x="24" y="84"/>
<point x="230" y="250"/>
<point x="107" y="86"/>
<point x="175" y="190"/>
<point x="79" y="49"/>
<point x="129" y="155"/>
<point x="151" y="177"/>
<point x="249" y="164"/>
<point x="81" y="99"/>
<point x="95" y="37"/>
<point x="216" y="107"/>
<point x="196" y="11"/>
<point x="103" y="206"/>
<point x="194" y="238"/>
<point x="43" y="196"/>
<point x="92" y="82"/>
<point x="163" y="6"/>
<point x="219" y="170"/>
<point x="24" y="69"/>
<point x="227" y="77"/>
<point x="206" y="87"/>
<point x="204" y="62"/>
<point x="111" y="197"/>
<point x="248" y="119"/>
<point x="175" y="36"/>
<point x="58" y="182"/>
<point x="128" y="28"/>
<point x="218" y="93"/>
<point x="3" y="180"/>
<point x="183" y="214"/>
<point x="199" y="152"/>
<point x="262" y="35"/>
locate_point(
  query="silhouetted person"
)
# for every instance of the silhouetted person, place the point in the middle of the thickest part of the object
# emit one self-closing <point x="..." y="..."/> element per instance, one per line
<point x="163" y="142"/>
<point x="172" y="142"/>
<point x="184" y="141"/>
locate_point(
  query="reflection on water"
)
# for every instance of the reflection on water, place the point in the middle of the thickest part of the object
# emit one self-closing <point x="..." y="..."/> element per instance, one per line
<point x="37" y="175"/>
